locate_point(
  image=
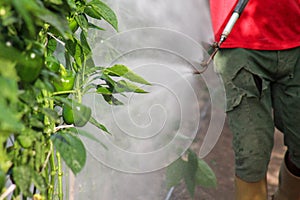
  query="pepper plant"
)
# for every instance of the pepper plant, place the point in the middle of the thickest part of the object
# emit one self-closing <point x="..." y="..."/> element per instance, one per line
<point x="41" y="95"/>
<point x="192" y="170"/>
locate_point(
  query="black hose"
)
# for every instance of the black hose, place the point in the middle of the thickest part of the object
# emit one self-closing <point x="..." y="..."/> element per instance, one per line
<point x="240" y="6"/>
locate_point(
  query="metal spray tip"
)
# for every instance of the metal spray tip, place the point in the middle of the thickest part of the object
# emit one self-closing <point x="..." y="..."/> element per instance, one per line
<point x="205" y="63"/>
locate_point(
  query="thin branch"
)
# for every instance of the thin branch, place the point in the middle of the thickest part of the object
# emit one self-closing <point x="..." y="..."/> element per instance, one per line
<point x="63" y="126"/>
<point x="55" y="38"/>
<point x="47" y="158"/>
<point x="10" y="189"/>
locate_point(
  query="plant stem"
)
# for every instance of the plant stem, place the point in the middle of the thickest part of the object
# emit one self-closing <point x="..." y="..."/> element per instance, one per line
<point x="60" y="174"/>
<point x="63" y="92"/>
<point x="53" y="174"/>
<point x="77" y="88"/>
<point x="47" y="158"/>
<point x="48" y="131"/>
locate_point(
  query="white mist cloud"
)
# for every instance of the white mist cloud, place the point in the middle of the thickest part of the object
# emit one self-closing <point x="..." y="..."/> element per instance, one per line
<point x="190" y="17"/>
<point x="168" y="114"/>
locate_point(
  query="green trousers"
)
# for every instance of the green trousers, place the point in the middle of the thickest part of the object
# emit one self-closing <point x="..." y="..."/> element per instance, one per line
<point x="262" y="92"/>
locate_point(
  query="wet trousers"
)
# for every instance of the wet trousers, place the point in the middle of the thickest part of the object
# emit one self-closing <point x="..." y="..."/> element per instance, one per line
<point x="262" y="92"/>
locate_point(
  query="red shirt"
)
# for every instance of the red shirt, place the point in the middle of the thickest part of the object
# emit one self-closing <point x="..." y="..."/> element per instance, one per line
<point x="264" y="24"/>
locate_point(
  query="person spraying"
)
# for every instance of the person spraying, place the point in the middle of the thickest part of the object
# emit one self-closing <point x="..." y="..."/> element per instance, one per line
<point x="259" y="63"/>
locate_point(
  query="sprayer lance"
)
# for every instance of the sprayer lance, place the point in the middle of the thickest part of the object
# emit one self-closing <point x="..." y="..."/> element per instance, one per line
<point x="231" y="22"/>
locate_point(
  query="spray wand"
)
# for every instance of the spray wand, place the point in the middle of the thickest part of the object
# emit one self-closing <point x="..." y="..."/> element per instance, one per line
<point x="231" y="22"/>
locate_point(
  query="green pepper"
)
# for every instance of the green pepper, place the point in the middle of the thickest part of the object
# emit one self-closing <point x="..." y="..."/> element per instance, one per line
<point x="77" y="114"/>
<point x="25" y="141"/>
<point x="30" y="67"/>
<point x="65" y="81"/>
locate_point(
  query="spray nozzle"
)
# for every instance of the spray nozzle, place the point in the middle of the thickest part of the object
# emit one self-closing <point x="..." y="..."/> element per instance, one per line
<point x="216" y="45"/>
<point x="214" y="48"/>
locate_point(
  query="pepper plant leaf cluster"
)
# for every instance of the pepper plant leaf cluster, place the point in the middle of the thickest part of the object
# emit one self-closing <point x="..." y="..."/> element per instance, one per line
<point x="42" y="89"/>
<point x="192" y="170"/>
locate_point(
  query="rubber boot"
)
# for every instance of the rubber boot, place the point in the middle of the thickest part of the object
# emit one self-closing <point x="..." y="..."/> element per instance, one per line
<point x="289" y="185"/>
<point x="250" y="191"/>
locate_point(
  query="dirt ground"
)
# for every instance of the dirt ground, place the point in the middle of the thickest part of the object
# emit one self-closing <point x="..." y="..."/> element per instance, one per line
<point x="221" y="160"/>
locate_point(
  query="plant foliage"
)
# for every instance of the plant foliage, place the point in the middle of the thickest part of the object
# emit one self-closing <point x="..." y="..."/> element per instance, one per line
<point x="194" y="172"/>
<point x="41" y="94"/>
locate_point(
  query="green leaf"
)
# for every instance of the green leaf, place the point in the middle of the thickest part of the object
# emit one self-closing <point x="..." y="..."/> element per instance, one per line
<point x="27" y="137"/>
<point x="9" y="88"/>
<point x="103" y="90"/>
<point x="97" y="9"/>
<point x="60" y="23"/>
<point x="52" y="114"/>
<point x="22" y="177"/>
<point x="190" y="172"/>
<point x="36" y="123"/>
<point x="71" y="149"/>
<point x="112" y="100"/>
<point x="123" y="71"/>
<point x="125" y="86"/>
<point x="91" y="25"/>
<point x="29" y="9"/>
<point x="28" y="97"/>
<point x="39" y="181"/>
<point x="175" y="173"/>
<point x="85" y="45"/>
<point x="75" y="49"/>
<point x="57" y="2"/>
<point x="51" y="46"/>
<point x="9" y="17"/>
<point x="23" y="8"/>
<point x="94" y="70"/>
<point x="82" y="22"/>
<point x="71" y="4"/>
<point x="43" y="85"/>
<point x="90" y="11"/>
<point x="2" y="178"/>
<point x="9" y="120"/>
<point x="107" y="79"/>
<point x="204" y="175"/>
<point x="87" y="135"/>
<point x="62" y="100"/>
<point x="9" y="54"/>
<point x="98" y="125"/>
